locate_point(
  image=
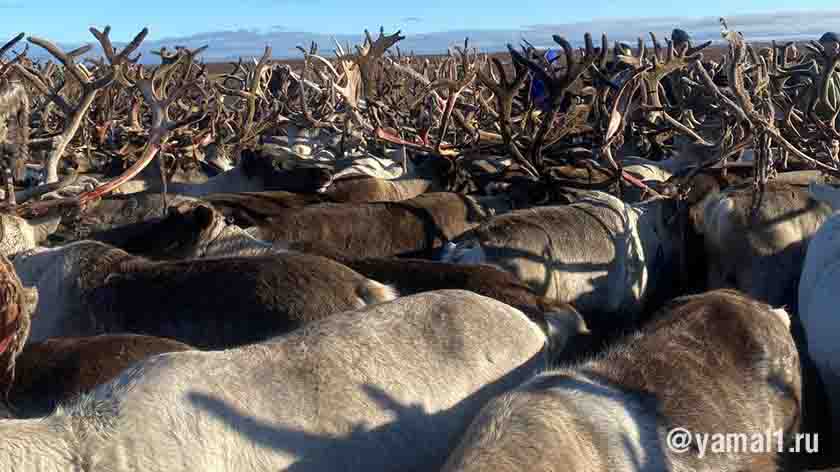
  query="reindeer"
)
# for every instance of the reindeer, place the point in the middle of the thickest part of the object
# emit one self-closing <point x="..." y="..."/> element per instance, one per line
<point x="375" y="377"/>
<point x="720" y="353"/>
<point x="88" y="288"/>
<point x="601" y="255"/>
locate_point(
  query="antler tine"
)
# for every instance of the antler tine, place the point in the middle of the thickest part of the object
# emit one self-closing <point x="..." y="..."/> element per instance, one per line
<point x="753" y="54"/>
<point x="339" y="51"/>
<point x="789" y="46"/>
<point x="602" y="62"/>
<point x="4" y="67"/>
<point x="829" y="59"/>
<point x="710" y="84"/>
<point x="368" y="37"/>
<point x="590" y="47"/>
<point x="657" y="46"/>
<point x="642" y="50"/>
<point x="67" y="60"/>
<point x="75" y="115"/>
<point x="161" y="127"/>
<point x="132" y="46"/>
<point x="105" y="41"/>
<point x="567" y="49"/>
<point x="624" y="98"/>
<point x="816" y="50"/>
<point x="528" y="43"/>
<point x="255" y="86"/>
<point x="557" y="87"/>
<point x="739" y="52"/>
<point x="505" y="92"/>
<point x="500" y="68"/>
<point x="11" y="44"/>
<point x="504" y="85"/>
<point x="117" y="60"/>
<point x="531" y="65"/>
<point x="165" y="72"/>
<point x="691" y="52"/>
<point x="191" y="53"/>
<point x="326" y="64"/>
<point x="39" y="81"/>
<point x="79" y="51"/>
<point x="239" y="67"/>
<point x="465" y="56"/>
<point x="529" y="50"/>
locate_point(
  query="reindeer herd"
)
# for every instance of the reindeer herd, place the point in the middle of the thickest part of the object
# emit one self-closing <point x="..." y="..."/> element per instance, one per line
<point x="545" y="260"/>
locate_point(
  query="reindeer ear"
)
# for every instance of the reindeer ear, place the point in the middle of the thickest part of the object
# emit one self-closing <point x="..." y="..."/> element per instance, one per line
<point x="251" y="163"/>
<point x="182" y="209"/>
<point x="673" y="214"/>
<point x="565" y="329"/>
<point x="30" y="296"/>
<point x="322" y="178"/>
<point x="203" y="216"/>
<point x="44" y="226"/>
<point x="539" y="194"/>
<point x="441" y="166"/>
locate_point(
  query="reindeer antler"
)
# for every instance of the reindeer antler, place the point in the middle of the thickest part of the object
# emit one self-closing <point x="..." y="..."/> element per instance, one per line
<point x="505" y="91"/>
<point x="558" y="86"/>
<point x="90" y="85"/>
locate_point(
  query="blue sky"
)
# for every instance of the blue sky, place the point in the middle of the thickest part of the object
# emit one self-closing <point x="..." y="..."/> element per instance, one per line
<point x="68" y="20"/>
<point x="255" y="21"/>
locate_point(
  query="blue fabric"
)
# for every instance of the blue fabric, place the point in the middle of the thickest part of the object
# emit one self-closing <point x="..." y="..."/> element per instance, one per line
<point x="539" y="94"/>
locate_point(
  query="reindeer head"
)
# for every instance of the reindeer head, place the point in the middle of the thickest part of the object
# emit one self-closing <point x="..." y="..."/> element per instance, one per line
<point x="187" y="227"/>
<point x="17" y="304"/>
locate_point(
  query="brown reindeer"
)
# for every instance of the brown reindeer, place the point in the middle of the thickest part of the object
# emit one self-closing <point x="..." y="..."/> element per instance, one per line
<point x="719" y="362"/>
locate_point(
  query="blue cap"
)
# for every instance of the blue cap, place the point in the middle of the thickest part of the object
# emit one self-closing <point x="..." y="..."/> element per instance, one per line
<point x="829" y="38"/>
<point x="680" y="36"/>
<point x="551" y="55"/>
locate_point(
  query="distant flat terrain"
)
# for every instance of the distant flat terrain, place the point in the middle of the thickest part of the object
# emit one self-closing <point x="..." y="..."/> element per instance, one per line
<point x="714" y="52"/>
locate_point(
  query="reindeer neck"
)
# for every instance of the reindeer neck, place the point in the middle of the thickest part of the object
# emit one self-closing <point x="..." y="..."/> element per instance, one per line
<point x="649" y="228"/>
<point x="234" y="241"/>
<point x="232" y="181"/>
<point x="15" y="235"/>
<point x="489" y="206"/>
